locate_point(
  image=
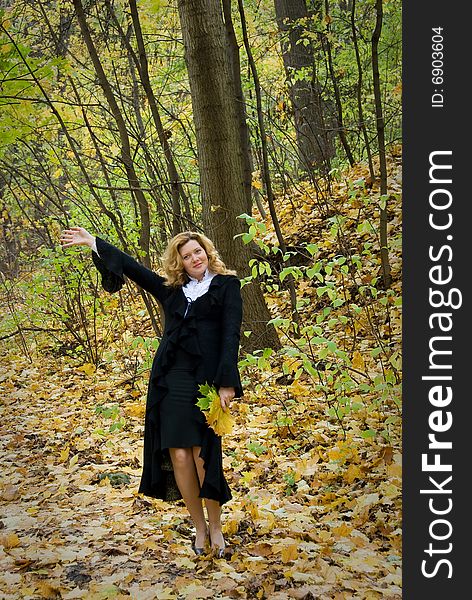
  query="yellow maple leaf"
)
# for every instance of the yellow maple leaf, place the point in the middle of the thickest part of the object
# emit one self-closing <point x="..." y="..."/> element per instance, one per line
<point x="352" y="472"/>
<point x="253" y="511"/>
<point x="358" y="361"/>
<point x="10" y="540"/>
<point x="231" y="526"/>
<point x="87" y="368"/>
<point x="136" y="409"/>
<point x="247" y="477"/>
<point x="342" y="530"/>
<point x="219" y="420"/>
<point x="289" y="552"/>
<point x="64" y="455"/>
<point x="324" y="536"/>
<point x="49" y="589"/>
<point x="73" y="460"/>
<point x="335" y="454"/>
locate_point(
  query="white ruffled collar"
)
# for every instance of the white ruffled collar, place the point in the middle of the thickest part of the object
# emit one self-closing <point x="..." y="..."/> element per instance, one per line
<point x="206" y="275"/>
<point x="194" y="288"/>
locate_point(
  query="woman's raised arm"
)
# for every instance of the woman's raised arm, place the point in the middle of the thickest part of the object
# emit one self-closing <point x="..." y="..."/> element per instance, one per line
<point x="113" y="263"/>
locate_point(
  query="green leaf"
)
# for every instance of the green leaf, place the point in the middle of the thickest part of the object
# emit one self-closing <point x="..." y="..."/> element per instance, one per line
<point x="206" y="390"/>
<point x="312" y="248"/>
<point x="311" y="272"/>
<point x="256" y="448"/>
<point x="203" y="403"/>
<point x="375" y="351"/>
<point x="285" y="272"/>
<point x="383" y="201"/>
<point x="279" y="321"/>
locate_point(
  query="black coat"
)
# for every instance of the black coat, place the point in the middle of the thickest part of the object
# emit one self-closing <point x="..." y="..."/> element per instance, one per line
<point x="210" y="332"/>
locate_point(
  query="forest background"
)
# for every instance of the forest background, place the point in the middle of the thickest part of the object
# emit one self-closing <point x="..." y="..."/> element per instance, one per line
<point x="274" y="126"/>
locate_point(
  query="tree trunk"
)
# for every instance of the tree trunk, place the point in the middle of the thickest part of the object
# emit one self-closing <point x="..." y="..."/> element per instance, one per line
<point x="315" y="138"/>
<point x="233" y="52"/>
<point x="177" y="190"/>
<point x="360" y="107"/>
<point x="9" y="243"/>
<point x="337" y="94"/>
<point x="220" y="157"/>
<point x="265" y="158"/>
<point x="387" y="279"/>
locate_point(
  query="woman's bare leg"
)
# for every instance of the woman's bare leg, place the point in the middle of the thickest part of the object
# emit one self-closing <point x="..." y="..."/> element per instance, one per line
<point x="212" y="506"/>
<point x="186" y="478"/>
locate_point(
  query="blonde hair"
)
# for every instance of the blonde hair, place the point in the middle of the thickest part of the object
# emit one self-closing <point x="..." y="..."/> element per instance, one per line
<point x="172" y="263"/>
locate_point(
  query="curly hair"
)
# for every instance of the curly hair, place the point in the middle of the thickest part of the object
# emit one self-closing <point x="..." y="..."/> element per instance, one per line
<point x="172" y="263"/>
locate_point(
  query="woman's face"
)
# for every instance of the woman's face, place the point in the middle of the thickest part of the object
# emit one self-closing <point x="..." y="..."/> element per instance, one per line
<point x="194" y="258"/>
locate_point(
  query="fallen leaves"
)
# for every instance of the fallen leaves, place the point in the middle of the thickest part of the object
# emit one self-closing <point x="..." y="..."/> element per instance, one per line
<point x="66" y="525"/>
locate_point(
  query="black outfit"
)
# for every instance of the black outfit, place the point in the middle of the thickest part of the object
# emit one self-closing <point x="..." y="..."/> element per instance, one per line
<point x="182" y="423"/>
<point x="200" y="344"/>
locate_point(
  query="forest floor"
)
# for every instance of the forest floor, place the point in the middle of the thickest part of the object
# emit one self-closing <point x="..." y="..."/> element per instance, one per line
<point x="315" y="514"/>
<point x="67" y="534"/>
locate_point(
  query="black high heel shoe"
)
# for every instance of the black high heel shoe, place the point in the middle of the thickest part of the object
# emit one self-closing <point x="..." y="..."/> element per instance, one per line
<point x="216" y="550"/>
<point x="200" y="551"/>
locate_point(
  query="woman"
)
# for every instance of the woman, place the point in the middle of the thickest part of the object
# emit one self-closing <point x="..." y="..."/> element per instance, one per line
<point x="202" y="306"/>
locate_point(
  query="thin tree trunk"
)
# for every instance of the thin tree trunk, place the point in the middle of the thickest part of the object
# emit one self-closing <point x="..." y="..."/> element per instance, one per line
<point x="181" y="213"/>
<point x="265" y="158"/>
<point x="177" y="190"/>
<point x="233" y="50"/>
<point x="9" y="261"/>
<point x="314" y="137"/>
<point x="337" y="95"/>
<point x="360" y="107"/>
<point x="381" y="141"/>
<point x="123" y="133"/>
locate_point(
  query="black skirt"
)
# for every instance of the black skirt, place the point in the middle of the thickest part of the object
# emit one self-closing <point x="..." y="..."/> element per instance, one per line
<point x="182" y="423"/>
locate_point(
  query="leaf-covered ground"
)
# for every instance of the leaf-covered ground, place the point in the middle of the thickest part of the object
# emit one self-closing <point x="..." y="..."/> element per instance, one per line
<point x="67" y="534"/>
<point x="316" y="512"/>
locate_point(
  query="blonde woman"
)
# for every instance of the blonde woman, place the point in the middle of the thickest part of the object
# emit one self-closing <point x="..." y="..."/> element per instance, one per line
<point x="202" y="305"/>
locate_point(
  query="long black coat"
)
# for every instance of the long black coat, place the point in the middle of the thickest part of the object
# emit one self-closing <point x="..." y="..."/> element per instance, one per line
<point x="210" y="332"/>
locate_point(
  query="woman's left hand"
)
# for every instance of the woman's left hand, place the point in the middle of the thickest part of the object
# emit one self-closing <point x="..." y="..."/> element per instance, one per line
<point x="226" y="394"/>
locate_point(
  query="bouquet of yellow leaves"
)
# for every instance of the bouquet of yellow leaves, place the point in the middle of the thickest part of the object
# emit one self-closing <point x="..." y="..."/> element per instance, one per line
<point x="209" y="403"/>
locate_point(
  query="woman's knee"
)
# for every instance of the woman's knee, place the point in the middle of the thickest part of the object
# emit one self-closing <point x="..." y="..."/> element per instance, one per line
<point x="181" y="457"/>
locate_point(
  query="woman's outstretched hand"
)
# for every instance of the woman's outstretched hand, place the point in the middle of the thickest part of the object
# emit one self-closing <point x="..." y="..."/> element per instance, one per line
<point x="76" y="236"/>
